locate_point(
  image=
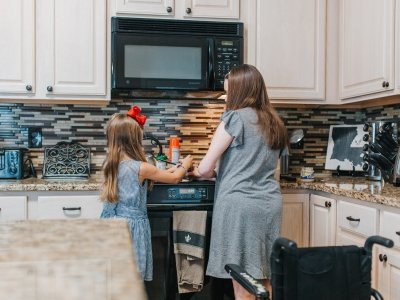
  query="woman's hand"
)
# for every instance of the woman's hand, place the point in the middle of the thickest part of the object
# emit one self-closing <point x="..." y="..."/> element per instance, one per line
<point x="195" y="173"/>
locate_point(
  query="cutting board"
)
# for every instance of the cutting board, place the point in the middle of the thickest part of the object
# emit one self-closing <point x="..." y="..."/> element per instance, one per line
<point x="345" y="147"/>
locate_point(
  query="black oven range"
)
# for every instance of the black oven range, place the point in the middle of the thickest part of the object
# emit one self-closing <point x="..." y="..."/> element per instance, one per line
<point x="162" y="201"/>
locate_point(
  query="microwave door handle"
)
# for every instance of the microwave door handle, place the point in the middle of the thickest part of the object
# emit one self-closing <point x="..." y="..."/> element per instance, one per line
<point x="211" y="58"/>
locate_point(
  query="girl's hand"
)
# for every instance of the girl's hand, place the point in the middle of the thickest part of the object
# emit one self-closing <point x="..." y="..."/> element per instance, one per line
<point x="187" y="162"/>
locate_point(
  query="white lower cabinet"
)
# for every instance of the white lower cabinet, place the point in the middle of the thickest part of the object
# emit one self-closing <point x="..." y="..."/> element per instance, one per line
<point x="69" y="207"/>
<point x="388" y="260"/>
<point x="355" y="222"/>
<point x="322" y="221"/>
<point x="295" y="218"/>
<point x="13" y="208"/>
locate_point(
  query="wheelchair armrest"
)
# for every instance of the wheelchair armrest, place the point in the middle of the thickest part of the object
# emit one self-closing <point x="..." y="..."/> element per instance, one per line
<point x="376" y="294"/>
<point x="247" y="281"/>
<point x="376" y="239"/>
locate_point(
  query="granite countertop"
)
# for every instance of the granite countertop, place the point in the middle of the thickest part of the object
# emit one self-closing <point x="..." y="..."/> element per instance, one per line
<point x="88" y="259"/>
<point x="353" y="187"/>
<point x="36" y="184"/>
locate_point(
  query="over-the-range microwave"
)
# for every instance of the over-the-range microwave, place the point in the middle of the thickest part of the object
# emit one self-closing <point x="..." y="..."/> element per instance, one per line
<point x="158" y="54"/>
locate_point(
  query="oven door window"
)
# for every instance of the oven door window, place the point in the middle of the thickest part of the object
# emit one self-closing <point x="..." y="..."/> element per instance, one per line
<point x="160" y="62"/>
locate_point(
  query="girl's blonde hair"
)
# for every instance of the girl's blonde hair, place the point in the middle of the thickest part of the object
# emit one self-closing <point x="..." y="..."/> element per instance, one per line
<point x="124" y="136"/>
<point x="246" y="88"/>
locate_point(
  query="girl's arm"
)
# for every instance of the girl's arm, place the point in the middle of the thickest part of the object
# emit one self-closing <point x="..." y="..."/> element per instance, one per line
<point x="219" y="143"/>
<point x="173" y="175"/>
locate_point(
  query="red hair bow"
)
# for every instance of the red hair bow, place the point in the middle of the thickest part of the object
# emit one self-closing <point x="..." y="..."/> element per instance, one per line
<point x="134" y="113"/>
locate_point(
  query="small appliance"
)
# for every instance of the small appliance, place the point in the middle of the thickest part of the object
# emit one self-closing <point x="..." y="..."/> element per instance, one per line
<point x="12" y="162"/>
<point x="155" y="54"/>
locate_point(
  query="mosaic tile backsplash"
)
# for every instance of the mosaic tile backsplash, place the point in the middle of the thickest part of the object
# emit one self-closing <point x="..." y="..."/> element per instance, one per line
<point x="194" y="121"/>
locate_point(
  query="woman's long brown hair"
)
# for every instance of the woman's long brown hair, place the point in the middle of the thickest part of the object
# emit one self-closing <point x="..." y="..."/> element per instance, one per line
<point x="246" y="88"/>
<point x="124" y="136"/>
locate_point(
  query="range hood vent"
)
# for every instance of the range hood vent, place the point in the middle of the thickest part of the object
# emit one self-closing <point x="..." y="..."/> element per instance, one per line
<point x="150" y="26"/>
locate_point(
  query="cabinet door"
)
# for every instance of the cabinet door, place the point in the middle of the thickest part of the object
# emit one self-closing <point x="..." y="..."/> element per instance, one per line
<point x="290" y="47"/>
<point x="72" y="47"/>
<point x="212" y="8"/>
<point x="322" y="221"/>
<point x="366" y="47"/>
<point x="69" y="207"/>
<point x="152" y="7"/>
<point x="388" y="263"/>
<point x="17" y="46"/>
<point x="295" y="218"/>
<point x="13" y="208"/>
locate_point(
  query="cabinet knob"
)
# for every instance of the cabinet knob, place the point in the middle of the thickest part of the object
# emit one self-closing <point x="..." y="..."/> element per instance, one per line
<point x="397" y="232"/>
<point x="385" y="84"/>
<point x="383" y="257"/>
<point x="169" y="9"/>
<point x="49" y="88"/>
<point x="328" y="204"/>
<point x="188" y="10"/>
<point x="28" y="87"/>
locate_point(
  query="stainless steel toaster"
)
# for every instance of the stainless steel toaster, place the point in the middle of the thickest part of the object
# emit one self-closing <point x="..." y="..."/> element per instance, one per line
<point x="12" y="163"/>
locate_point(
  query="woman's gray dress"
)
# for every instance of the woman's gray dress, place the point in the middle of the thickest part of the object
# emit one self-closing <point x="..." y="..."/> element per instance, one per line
<point x="132" y="205"/>
<point x="248" y="202"/>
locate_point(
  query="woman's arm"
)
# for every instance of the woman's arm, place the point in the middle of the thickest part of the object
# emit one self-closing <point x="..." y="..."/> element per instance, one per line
<point x="219" y="143"/>
<point x="173" y="175"/>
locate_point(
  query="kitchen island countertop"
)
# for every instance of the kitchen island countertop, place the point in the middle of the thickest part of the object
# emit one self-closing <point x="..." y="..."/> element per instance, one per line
<point x="68" y="259"/>
<point x="353" y="187"/>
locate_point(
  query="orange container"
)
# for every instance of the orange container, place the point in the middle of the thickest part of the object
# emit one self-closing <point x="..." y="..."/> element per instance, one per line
<point x="174" y="151"/>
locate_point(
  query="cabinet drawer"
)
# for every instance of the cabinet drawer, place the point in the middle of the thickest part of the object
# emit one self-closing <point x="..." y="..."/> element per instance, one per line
<point x="357" y="218"/>
<point x="390" y="226"/>
<point x="13" y="208"/>
<point x="69" y="207"/>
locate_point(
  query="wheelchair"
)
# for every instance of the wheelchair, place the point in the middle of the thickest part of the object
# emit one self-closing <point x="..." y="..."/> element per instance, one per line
<point x="315" y="273"/>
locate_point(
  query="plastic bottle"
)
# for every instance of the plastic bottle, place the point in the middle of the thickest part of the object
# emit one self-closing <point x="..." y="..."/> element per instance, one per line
<point x="174" y="151"/>
<point x="161" y="161"/>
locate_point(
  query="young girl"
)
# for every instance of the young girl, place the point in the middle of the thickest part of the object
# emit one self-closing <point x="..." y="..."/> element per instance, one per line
<point x="126" y="175"/>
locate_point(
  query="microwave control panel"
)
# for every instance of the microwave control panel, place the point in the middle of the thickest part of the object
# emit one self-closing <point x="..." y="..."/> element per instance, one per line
<point x="228" y="54"/>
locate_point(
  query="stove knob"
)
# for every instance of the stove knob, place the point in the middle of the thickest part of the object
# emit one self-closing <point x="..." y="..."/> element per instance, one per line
<point x="366" y="137"/>
<point x="366" y="127"/>
<point x="365" y="167"/>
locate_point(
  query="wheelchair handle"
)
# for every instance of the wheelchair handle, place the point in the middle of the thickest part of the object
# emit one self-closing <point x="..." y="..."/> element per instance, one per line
<point x="376" y="239"/>
<point x="283" y="243"/>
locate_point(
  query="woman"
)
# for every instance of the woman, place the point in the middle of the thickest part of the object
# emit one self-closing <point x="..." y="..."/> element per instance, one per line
<point x="248" y="202"/>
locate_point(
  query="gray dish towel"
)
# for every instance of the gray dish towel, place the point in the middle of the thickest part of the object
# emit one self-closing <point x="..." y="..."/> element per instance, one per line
<point x="189" y="242"/>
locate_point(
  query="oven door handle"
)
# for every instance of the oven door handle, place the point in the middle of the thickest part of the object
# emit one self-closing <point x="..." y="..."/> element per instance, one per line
<point x="171" y="207"/>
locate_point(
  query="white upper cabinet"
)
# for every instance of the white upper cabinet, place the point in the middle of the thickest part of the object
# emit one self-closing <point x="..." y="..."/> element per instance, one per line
<point x="53" y="49"/>
<point x="151" y="7"/>
<point x="180" y="8"/>
<point x="290" y="47"/>
<point x="366" y="47"/>
<point x="17" y="46"/>
<point x="212" y="8"/>
<point x="72" y="47"/>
